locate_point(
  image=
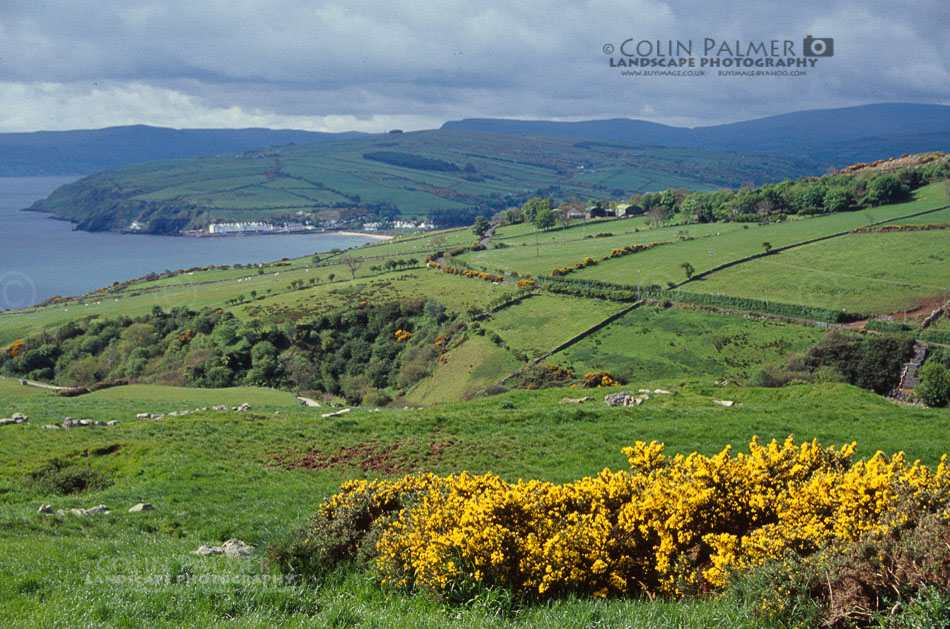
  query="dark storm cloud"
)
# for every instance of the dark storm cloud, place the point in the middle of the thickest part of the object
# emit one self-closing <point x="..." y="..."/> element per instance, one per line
<point x="369" y="65"/>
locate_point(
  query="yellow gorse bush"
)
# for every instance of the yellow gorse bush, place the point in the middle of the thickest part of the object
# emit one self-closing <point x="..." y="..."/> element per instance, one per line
<point x="598" y="379"/>
<point x="615" y="253"/>
<point x="668" y="526"/>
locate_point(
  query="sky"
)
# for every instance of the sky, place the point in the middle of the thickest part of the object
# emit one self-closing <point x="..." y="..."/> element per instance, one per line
<point x="375" y="66"/>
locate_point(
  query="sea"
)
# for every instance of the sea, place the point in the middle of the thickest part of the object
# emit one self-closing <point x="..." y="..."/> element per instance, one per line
<point x="41" y="257"/>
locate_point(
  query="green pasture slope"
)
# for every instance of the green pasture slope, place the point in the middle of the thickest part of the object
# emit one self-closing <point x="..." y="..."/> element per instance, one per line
<point x="459" y="170"/>
<point x="728" y="241"/>
<point x="217" y="475"/>
<point x="672" y="346"/>
<point x="871" y="273"/>
<point x="272" y="286"/>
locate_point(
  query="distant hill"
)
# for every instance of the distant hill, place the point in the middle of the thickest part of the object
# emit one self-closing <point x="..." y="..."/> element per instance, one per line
<point x="89" y="151"/>
<point x="837" y="137"/>
<point x="443" y="175"/>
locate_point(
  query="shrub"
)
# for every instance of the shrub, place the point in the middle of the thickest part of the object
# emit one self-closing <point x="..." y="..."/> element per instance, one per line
<point x="900" y="574"/>
<point x="872" y="362"/>
<point x="54" y="478"/>
<point x="674" y="526"/>
<point x="376" y="397"/>
<point x="544" y="376"/>
<point x="934" y="387"/>
<point x="885" y="188"/>
<point x="596" y="380"/>
<point x="345" y="528"/>
<point x="771" y="377"/>
<point x="494" y="389"/>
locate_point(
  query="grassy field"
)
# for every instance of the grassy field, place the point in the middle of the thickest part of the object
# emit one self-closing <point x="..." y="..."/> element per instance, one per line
<point x="673" y="345"/>
<point x="465" y="372"/>
<point x="634" y="227"/>
<point x="275" y="297"/>
<point x="728" y="241"/>
<point x="537" y="324"/>
<point x="873" y="273"/>
<point x="214" y="476"/>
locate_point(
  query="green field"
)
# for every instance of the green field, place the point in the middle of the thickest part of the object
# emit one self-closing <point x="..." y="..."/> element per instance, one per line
<point x="539" y="323"/>
<point x="214" y="288"/>
<point x="663" y="347"/>
<point x="728" y="241"/>
<point x="873" y="273"/>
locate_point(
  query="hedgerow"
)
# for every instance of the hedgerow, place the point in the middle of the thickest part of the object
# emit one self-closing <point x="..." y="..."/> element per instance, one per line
<point x="622" y="292"/>
<point x="615" y="253"/>
<point x="881" y="325"/>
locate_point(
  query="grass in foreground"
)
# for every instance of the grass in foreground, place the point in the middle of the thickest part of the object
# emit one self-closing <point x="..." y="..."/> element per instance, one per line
<point x="214" y="476"/>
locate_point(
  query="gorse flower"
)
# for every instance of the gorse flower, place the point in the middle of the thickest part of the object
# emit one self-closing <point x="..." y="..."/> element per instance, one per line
<point x="672" y="526"/>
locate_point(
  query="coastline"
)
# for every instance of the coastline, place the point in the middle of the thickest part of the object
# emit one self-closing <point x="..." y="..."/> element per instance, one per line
<point x="203" y="234"/>
<point x="362" y="235"/>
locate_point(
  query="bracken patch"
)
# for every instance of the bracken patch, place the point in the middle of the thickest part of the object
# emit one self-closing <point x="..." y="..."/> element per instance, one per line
<point x="370" y="457"/>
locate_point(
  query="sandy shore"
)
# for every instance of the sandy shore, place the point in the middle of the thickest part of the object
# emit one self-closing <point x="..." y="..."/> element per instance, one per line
<point x="362" y="235"/>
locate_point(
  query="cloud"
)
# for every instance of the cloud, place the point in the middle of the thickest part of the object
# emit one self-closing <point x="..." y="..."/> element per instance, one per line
<point x="316" y="65"/>
<point x="90" y="106"/>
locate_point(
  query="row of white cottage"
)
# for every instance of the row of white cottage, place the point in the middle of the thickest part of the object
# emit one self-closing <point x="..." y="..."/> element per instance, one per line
<point x="257" y="227"/>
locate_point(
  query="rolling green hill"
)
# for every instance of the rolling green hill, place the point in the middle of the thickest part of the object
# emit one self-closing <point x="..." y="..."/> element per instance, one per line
<point x="433" y="174"/>
<point x="90" y="150"/>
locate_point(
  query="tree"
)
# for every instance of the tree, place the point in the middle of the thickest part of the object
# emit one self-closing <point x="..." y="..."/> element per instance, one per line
<point x="513" y="216"/>
<point x="767" y="246"/>
<point x="544" y="219"/>
<point x="934" y="387"/>
<point x="649" y="200"/>
<point x="656" y="215"/>
<point x="438" y="240"/>
<point x="689" y="208"/>
<point x="531" y="207"/>
<point x="481" y="226"/>
<point x="688" y="268"/>
<point x="885" y="189"/>
<point x="838" y="199"/>
<point x="140" y="335"/>
<point x="353" y="263"/>
<point x="331" y="276"/>
<point x="668" y="201"/>
<point x="809" y="199"/>
<point x="253" y="294"/>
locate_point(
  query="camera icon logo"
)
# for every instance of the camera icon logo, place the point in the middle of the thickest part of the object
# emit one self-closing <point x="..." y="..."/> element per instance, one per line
<point x="818" y="46"/>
